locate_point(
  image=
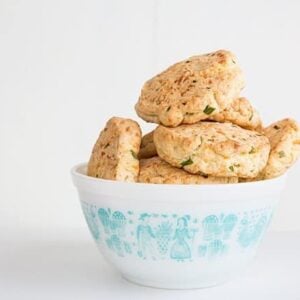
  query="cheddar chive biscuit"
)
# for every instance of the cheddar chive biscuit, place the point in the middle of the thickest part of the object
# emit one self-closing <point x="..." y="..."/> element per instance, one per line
<point x="114" y="155"/>
<point x="240" y="112"/>
<point x="191" y="90"/>
<point x="284" y="138"/>
<point x="217" y="149"/>
<point x="155" y="170"/>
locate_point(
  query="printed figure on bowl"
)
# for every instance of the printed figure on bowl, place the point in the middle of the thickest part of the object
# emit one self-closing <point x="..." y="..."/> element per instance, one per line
<point x="145" y="237"/>
<point x="181" y="249"/>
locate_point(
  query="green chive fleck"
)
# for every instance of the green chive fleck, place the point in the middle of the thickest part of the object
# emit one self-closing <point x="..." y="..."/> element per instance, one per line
<point x="252" y="151"/>
<point x="231" y="168"/>
<point x="186" y="162"/>
<point x="208" y="110"/>
<point x="281" y="154"/>
<point x="133" y="154"/>
<point x="189" y="113"/>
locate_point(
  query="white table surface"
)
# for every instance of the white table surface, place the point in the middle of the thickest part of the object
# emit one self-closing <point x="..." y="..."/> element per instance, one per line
<point x="66" y="265"/>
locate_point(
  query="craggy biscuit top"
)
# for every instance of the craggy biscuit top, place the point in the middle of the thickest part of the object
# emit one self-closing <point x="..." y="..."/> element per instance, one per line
<point x="147" y="146"/>
<point x="191" y="90"/>
<point x="284" y="138"/>
<point x="155" y="170"/>
<point x="114" y="155"/>
<point x="217" y="149"/>
<point x="242" y="113"/>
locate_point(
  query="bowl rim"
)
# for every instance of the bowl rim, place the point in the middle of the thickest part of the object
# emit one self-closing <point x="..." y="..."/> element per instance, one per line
<point x="148" y="190"/>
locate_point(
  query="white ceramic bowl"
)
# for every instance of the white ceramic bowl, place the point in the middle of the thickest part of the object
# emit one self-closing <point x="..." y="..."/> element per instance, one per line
<point x="177" y="236"/>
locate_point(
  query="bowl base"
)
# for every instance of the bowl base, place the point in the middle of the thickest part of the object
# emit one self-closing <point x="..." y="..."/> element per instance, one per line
<point x="173" y="286"/>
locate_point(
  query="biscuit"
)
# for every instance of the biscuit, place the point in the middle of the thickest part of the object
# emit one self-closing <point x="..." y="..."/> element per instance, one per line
<point x="147" y="146"/>
<point x="155" y="170"/>
<point x="242" y="113"/>
<point x="284" y="138"/>
<point x="191" y="90"/>
<point x="217" y="149"/>
<point x="114" y="155"/>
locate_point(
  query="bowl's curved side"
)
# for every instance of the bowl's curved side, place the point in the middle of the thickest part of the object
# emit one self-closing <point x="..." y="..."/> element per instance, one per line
<point x="199" y="236"/>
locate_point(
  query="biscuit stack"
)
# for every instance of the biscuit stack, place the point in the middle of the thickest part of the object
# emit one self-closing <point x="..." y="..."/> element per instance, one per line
<point x="207" y="132"/>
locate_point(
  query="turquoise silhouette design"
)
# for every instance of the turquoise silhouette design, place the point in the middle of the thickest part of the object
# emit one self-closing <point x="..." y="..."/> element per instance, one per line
<point x="109" y="244"/>
<point x="180" y="249"/>
<point x="112" y="222"/>
<point x="202" y="250"/>
<point x="90" y="217"/>
<point x="212" y="249"/>
<point x="215" y="227"/>
<point x="215" y="231"/>
<point x="163" y="237"/>
<point x="114" y="227"/>
<point x="250" y="233"/>
<point x="211" y="227"/>
<point x="145" y="237"/>
<point x="118" y="223"/>
<point x="104" y="218"/>
<point x="171" y="236"/>
<point x="215" y="248"/>
<point x="115" y="244"/>
<point x="127" y="247"/>
<point x="229" y="223"/>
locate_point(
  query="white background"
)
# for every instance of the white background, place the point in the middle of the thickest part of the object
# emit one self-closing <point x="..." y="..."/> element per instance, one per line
<point x="66" y="66"/>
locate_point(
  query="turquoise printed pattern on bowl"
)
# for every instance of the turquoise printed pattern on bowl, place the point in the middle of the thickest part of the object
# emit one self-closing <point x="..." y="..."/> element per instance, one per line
<point x="175" y="237"/>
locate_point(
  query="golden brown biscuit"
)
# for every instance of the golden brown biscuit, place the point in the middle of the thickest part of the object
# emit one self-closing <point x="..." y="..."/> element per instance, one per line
<point x="284" y="138"/>
<point x="155" y="170"/>
<point x="192" y="90"/>
<point x="242" y="113"/>
<point x="217" y="149"/>
<point x="114" y="155"/>
<point x="147" y="146"/>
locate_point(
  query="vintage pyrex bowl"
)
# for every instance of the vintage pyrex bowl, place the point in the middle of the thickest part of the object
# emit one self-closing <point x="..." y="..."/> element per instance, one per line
<point x="177" y="236"/>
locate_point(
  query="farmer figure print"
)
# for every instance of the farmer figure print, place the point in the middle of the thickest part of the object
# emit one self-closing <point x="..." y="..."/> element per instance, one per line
<point x="145" y="237"/>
